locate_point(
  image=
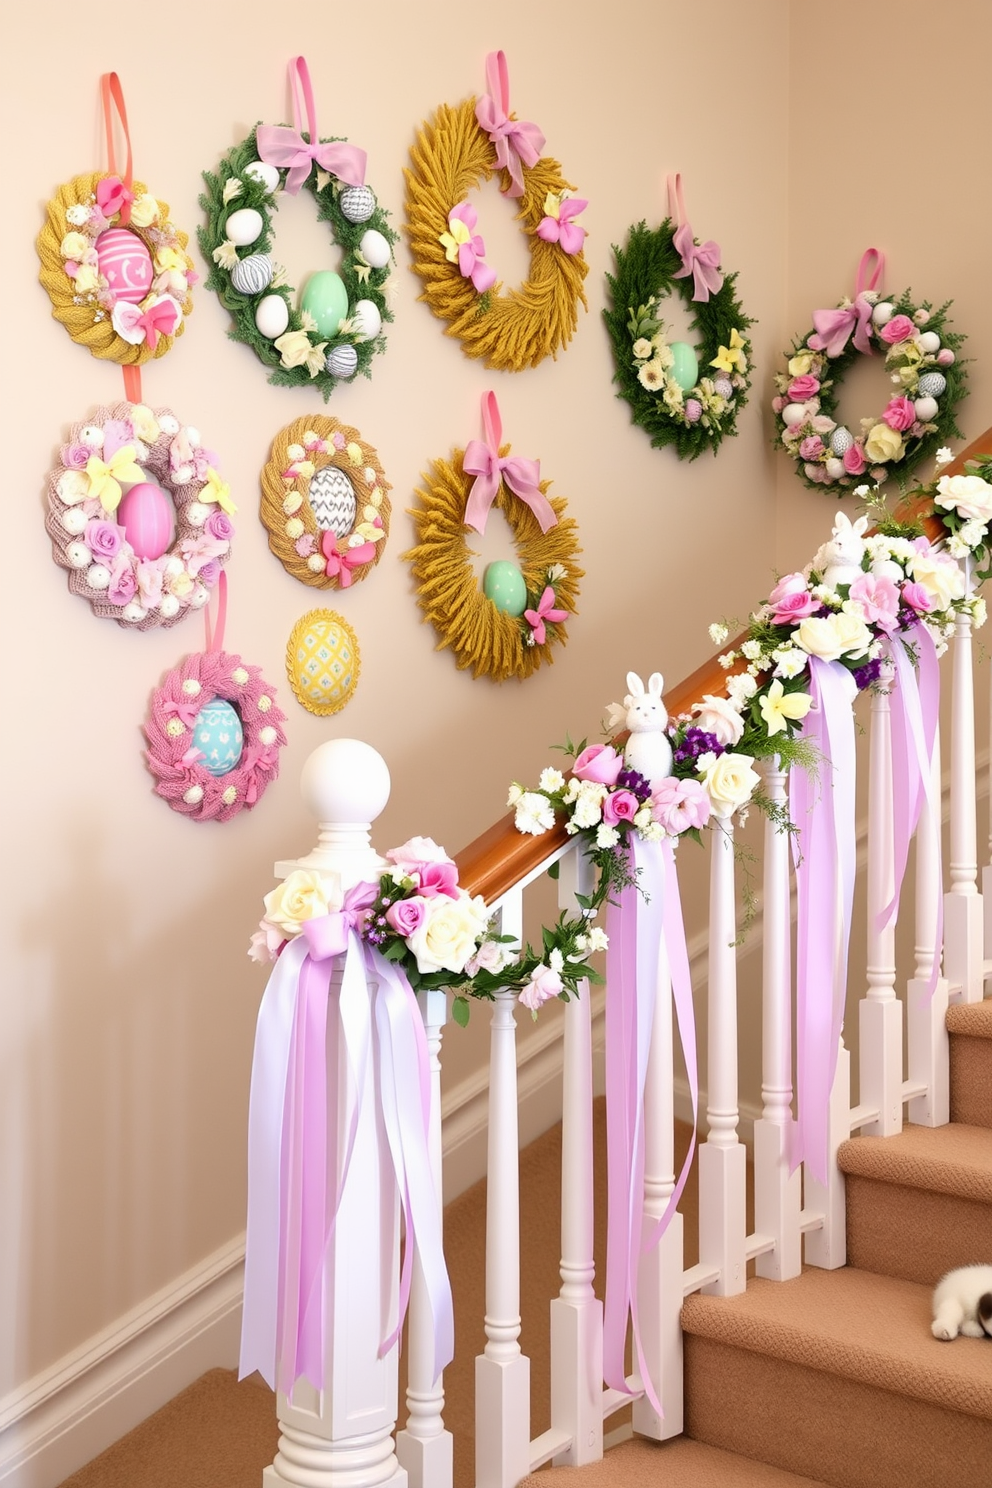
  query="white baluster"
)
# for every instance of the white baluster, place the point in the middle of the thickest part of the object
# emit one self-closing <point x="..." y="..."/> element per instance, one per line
<point x="777" y="1192"/>
<point x="341" y="1436"/>
<point x="425" y="1448"/>
<point x="826" y="1245"/>
<point x="987" y="870"/>
<point x="577" y="1313"/>
<point x="926" y="1025"/>
<point x="881" y="1011"/>
<point x="963" y="914"/>
<point x="722" y="1159"/>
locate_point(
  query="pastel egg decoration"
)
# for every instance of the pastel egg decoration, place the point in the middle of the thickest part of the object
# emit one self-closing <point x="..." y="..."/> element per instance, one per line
<point x="323" y="662"/>
<point x="148" y="519"/>
<point x="357" y="203"/>
<point x="219" y="736"/>
<point x="375" y="249"/>
<point x="125" y="263"/>
<point x="834" y="468"/>
<point x="929" y="342"/>
<point x="685" y="365"/>
<point x="925" y="409"/>
<point x="841" y="440"/>
<point x="243" y="227"/>
<point x="272" y="316"/>
<point x="792" y="414"/>
<point x="883" y="312"/>
<point x="342" y="362"/>
<point x="931" y="384"/>
<point x="333" y="500"/>
<point x="252" y="274"/>
<point x="368" y="321"/>
<point x="268" y="175"/>
<point x="326" y="299"/>
<point x="504" y="584"/>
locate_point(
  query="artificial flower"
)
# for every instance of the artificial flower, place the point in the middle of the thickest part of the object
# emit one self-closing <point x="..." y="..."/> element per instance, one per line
<point x="884" y="444"/>
<point x="717" y="716"/>
<point x="642" y="349"/>
<point x="940" y="578"/>
<point x="406" y="916"/>
<point x="544" y="984"/>
<point x="225" y="256"/>
<point x="968" y="495"/>
<point x="232" y="188"/>
<point x="301" y="896"/>
<point x="294" y="348"/>
<point x="144" y="210"/>
<point x="448" y="933"/>
<point x="535" y="814"/>
<point x="74" y="246"/>
<point x="217" y="490"/>
<point x="105" y="476"/>
<point x="730" y="781"/>
<point x="599" y="763"/>
<point x="780" y="708"/>
<point x="732" y="358"/>
<point x="86" y="279"/>
<point x="680" y="805"/>
<point x="651" y="375"/>
<point x="878" y="597"/>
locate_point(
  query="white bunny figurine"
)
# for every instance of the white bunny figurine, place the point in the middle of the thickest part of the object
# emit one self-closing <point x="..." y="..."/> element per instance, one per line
<point x="839" y="559"/>
<point x="647" y="750"/>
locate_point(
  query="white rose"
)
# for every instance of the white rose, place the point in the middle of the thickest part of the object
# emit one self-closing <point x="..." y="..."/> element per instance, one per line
<point x="301" y="896"/>
<point x="968" y="495"/>
<point x="818" y="636"/>
<point x="854" y="634"/>
<point x="447" y="935"/>
<point x="729" y="782"/>
<point x="940" y="577"/>
<point x="718" y="716"/>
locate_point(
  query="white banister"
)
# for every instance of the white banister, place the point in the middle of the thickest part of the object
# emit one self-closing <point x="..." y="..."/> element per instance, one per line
<point x="963" y="928"/>
<point x="926" y="1025"/>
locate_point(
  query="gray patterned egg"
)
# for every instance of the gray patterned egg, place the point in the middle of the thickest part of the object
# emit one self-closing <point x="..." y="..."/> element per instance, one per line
<point x="357" y="203"/>
<point x="342" y="361"/>
<point x="931" y="384"/>
<point x="841" y="440"/>
<point x="333" y="501"/>
<point x="252" y="274"/>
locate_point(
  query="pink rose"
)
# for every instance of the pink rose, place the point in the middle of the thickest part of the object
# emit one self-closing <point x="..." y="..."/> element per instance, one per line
<point x="854" y="460"/>
<point x="879" y="598"/>
<point x="778" y="404"/>
<point x="305" y="545"/>
<point x="811" y="448"/>
<point x="543" y="985"/>
<point x="220" y="526"/>
<point x="413" y="855"/>
<point x="599" y="763"/>
<point x="75" y="456"/>
<point x="677" y="805"/>
<point x="123" y="585"/>
<point x="406" y="916"/>
<point x="620" y="806"/>
<point x="266" y="943"/>
<point x="917" y="598"/>
<point x="899" y="328"/>
<point x="802" y="388"/>
<point x="209" y="573"/>
<point x="900" y="414"/>
<point x="103" y="540"/>
<point x="793" y="607"/>
<point x="438" y="878"/>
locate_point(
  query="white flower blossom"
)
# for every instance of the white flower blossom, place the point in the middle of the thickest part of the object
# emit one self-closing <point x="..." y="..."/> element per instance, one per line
<point x="718" y="634"/>
<point x="942" y="457"/>
<point x="751" y="649"/>
<point x="740" y="689"/>
<point x="535" y="814"/>
<point x="598" y="939"/>
<point x="606" y="836"/>
<point x="515" y="792"/>
<point x="551" y="781"/>
<point x="979" y="611"/>
<point x="789" y="661"/>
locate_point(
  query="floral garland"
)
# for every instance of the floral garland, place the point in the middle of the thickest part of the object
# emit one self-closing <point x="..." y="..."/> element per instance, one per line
<point x="416" y="914"/>
<point x="327" y="530"/>
<point x="456" y="150"/>
<point x="125" y="479"/>
<point x="677" y="397"/>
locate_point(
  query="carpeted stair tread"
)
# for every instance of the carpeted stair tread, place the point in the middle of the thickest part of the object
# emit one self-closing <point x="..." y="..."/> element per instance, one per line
<point x="690" y="1464"/>
<point x="868" y="1328"/>
<point x="954" y="1160"/>
<point x="974" y="1019"/>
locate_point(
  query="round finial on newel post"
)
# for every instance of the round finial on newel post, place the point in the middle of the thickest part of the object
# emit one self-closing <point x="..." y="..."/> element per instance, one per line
<point x="345" y="783"/>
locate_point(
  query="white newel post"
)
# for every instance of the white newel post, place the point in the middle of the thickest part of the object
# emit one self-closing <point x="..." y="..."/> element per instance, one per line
<point x="342" y="1436"/>
<point x="963" y="926"/>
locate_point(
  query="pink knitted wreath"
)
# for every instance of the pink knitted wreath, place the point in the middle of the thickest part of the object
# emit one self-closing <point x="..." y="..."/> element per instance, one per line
<point x="181" y="778"/>
<point x="88" y="523"/>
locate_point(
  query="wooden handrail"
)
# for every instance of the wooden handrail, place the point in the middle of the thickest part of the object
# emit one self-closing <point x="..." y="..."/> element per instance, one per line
<point x="502" y="856"/>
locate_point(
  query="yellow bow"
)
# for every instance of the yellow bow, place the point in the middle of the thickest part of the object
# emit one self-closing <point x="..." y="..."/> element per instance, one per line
<point x="731" y="358"/>
<point x="105" y="478"/>
<point x="452" y="241"/>
<point x="217" y="490"/>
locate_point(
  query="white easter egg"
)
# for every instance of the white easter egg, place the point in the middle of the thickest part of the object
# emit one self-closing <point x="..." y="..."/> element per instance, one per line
<point x="883" y="312"/>
<point x="841" y="440"/>
<point x="252" y="274"/>
<point x="931" y="384"/>
<point x="834" y="469"/>
<point x="792" y="414"/>
<point x="342" y="362"/>
<point x="243" y="226"/>
<point x="926" y="409"/>
<point x="365" y="314"/>
<point x="357" y="203"/>
<point x="98" y="576"/>
<point x="332" y="500"/>
<point x="267" y="174"/>
<point x="375" y="249"/>
<point x="929" y="342"/>
<point x="272" y="316"/>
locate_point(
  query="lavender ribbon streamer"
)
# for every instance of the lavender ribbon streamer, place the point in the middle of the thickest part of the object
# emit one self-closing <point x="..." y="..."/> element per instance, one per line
<point x="823" y="813"/>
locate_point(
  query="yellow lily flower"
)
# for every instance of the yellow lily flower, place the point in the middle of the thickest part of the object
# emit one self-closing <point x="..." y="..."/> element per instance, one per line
<point x="217" y="490"/>
<point x="731" y="358"/>
<point x="105" y="478"/>
<point x="452" y="241"/>
<point x="778" y="707"/>
<point x="552" y="205"/>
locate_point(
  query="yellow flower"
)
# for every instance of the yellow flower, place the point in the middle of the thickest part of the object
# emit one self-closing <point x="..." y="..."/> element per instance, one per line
<point x="354" y="453"/>
<point x="884" y="444"/>
<point x="800" y="365"/>
<point x="731" y="358"/>
<point x="86" y="280"/>
<point x="552" y="205"/>
<point x="316" y="360"/>
<point x="302" y="896"/>
<point x="144" y="211"/>
<point x="225" y="255"/>
<point x="144" y="423"/>
<point x="294" y="348"/>
<point x="105" y="478"/>
<point x="217" y="490"/>
<point x="180" y="584"/>
<point x="169" y="258"/>
<point x="778" y="707"/>
<point x="451" y="241"/>
<point x="74" y="245"/>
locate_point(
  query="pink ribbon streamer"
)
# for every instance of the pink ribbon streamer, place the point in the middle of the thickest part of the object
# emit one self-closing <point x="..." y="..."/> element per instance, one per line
<point x="637" y="927"/>
<point x="822" y="809"/>
<point x="482" y="459"/>
<point x="288" y="150"/>
<point x="340" y="565"/>
<point x="701" y="260"/>
<point x="518" y="143"/>
<point x="545" y="611"/>
<point x="834" y="327"/>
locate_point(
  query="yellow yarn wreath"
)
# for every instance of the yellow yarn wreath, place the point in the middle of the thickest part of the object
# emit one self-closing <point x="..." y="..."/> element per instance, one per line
<point x="86" y="307"/>
<point x="511" y="329"/>
<point x="481" y="636"/>
<point x="343" y="547"/>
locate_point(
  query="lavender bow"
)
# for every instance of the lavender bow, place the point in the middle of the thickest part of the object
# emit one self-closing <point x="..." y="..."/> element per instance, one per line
<point x="701" y="260"/>
<point x="482" y="459"/>
<point x="518" y="143"/>
<point x="288" y="149"/>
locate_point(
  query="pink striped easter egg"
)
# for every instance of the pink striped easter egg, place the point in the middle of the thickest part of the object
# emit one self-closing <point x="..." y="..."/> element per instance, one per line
<point x="125" y="263"/>
<point x="148" y="520"/>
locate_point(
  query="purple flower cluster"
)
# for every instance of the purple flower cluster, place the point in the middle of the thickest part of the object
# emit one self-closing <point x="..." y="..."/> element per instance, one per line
<point x="694" y="743"/>
<point x="634" y="782"/>
<point x="869" y="673"/>
<point x="376" y="930"/>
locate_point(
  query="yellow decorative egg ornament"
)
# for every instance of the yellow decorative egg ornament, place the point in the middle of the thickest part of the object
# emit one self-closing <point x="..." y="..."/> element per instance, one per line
<point x="323" y="662"/>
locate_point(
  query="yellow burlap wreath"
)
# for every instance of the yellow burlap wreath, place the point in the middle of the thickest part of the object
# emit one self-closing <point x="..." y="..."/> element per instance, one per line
<point x="300" y="450"/>
<point x="481" y="636"/>
<point x="508" y="330"/>
<point x="88" y="323"/>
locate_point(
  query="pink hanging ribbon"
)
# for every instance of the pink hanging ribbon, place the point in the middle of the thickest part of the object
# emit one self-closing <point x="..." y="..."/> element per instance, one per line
<point x="821" y="806"/>
<point x="340" y="565"/>
<point x="214" y="631"/>
<point x="482" y="459"/>
<point x="701" y="260"/>
<point x="517" y="142"/>
<point x="637" y="926"/>
<point x="285" y="147"/>
<point x="545" y="612"/>
<point x="834" y="327"/>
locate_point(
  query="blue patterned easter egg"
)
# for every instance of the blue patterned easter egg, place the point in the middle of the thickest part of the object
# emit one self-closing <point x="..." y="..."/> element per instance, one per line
<point x="218" y="735"/>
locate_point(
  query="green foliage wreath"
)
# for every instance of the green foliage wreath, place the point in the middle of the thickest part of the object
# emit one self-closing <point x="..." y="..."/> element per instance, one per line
<point x="693" y="419"/>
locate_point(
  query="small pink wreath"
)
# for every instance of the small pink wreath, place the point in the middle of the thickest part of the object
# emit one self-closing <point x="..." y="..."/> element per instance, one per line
<point x="181" y="778"/>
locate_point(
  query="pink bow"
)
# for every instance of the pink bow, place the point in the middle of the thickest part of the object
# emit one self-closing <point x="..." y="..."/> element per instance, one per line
<point x="482" y="459"/>
<point x="562" y="229"/>
<point x="286" y="148"/>
<point x="545" y="611"/>
<point x="186" y="712"/>
<point x="327" y="935"/>
<point x="834" y="327"/>
<point x="339" y="565"/>
<point x="112" y="195"/>
<point x="256" y="757"/>
<point x="701" y="260"/>
<point x="471" y="252"/>
<point x="160" y="319"/>
<point x="517" y="142"/>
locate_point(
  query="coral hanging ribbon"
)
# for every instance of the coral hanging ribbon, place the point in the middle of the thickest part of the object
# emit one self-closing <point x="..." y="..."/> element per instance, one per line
<point x="285" y="147"/>
<point x="701" y="260"/>
<point x="822" y="808"/>
<point x="340" y="565"/>
<point x="545" y="612"/>
<point x="112" y="92"/>
<point x="463" y="245"/>
<point x="646" y="918"/>
<point x="518" y="143"/>
<point x="483" y="460"/>
<point x="834" y="327"/>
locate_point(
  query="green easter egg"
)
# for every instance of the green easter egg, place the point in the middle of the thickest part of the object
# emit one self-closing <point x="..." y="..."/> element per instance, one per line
<point x="685" y="367"/>
<point x="503" y="583"/>
<point x="326" y="299"/>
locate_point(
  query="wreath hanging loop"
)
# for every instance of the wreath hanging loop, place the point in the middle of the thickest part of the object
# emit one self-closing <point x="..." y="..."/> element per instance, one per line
<point x="457" y="149"/>
<point x="921" y="358"/>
